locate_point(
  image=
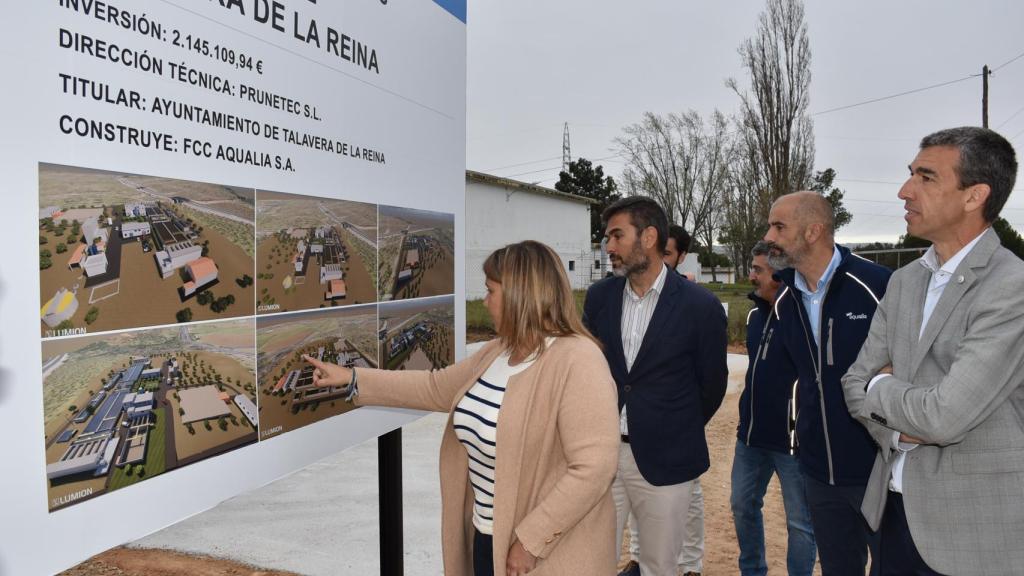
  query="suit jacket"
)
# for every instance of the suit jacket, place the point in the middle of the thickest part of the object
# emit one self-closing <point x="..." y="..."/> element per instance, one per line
<point x="958" y="388"/>
<point x="678" y="378"/>
<point x="557" y="449"/>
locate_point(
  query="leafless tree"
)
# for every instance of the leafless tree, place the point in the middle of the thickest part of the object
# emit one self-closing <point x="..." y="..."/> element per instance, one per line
<point x="682" y="162"/>
<point x="745" y="205"/>
<point x="775" y="133"/>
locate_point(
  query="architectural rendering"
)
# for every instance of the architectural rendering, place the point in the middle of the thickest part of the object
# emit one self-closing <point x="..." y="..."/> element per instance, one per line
<point x="314" y="252"/>
<point x="137" y="251"/>
<point x="417" y="253"/>
<point x="287" y="397"/>
<point x="123" y="407"/>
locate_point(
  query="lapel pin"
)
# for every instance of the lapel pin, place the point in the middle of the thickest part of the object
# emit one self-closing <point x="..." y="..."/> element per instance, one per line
<point x="960" y="279"/>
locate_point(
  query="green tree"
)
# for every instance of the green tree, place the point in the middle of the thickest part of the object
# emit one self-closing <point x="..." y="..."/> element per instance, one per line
<point x="91" y="315"/>
<point x="822" y="184"/>
<point x="62" y="248"/>
<point x="45" y="262"/>
<point x="585" y="179"/>
<point x="184" y="315"/>
<point x="1010" y="239"/>
<point x="42" y="240"/>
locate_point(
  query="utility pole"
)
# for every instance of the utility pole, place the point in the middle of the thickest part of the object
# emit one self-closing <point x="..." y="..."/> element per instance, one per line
<point x="566" y="154"/>
<point x="985" y="72"/>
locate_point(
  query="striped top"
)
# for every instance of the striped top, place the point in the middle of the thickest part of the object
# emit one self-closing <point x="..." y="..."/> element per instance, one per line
<point x="476" y="425"/>
<point x="637" y="312"/>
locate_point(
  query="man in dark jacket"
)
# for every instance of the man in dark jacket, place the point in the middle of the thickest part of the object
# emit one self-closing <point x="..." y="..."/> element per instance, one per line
<point x="764" y="443"/>
<point x="665" y="341"/>
<point x="824" y="314"/>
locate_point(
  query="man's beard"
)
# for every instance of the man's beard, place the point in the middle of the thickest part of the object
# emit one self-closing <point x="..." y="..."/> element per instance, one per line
<point x="779" y="258"/>
<point x="638" y="263"/>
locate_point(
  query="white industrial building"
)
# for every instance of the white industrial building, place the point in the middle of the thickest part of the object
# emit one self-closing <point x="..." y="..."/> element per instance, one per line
<point x="91" y="230"/>
<point x="247" y="407"/>
<point x="501" y="211"/>
<point x="95" y="264"/>
<point x="135" y="209"/>
<point x="137" y="404"/>
<point x="135" y="229"/>
<point x="175" y="256"/>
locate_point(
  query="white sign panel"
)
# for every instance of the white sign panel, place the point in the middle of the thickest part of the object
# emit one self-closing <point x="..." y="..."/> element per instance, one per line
<point x="198" y="193"/>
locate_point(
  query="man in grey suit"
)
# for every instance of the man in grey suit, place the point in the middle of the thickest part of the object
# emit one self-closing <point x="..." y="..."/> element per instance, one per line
<point x="939" y="382"/>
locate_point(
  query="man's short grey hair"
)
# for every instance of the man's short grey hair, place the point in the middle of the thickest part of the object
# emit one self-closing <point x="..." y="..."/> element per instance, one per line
<point x="985" y="158"/>
<point x="760" y="249"/>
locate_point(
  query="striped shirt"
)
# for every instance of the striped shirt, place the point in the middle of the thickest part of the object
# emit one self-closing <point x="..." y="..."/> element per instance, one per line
<point x="637" y="312"/>
<point x="476" y="425"/>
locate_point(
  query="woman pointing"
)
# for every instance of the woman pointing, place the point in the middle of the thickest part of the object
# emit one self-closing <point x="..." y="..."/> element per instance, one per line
<point x="530" y="447"/>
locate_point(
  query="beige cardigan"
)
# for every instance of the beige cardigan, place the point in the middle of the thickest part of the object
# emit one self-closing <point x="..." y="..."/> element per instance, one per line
<point x="557" y="452"/>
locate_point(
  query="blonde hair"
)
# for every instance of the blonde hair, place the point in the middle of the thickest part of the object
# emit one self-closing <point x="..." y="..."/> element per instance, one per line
<point x="537" y="300"/>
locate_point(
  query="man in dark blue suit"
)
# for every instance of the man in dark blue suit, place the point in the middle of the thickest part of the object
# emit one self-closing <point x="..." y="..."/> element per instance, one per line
<point x="665" y="342"/>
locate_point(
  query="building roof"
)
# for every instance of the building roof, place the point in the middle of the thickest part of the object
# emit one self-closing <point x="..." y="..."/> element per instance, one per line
<point x="516" y="185"/>
<point x="202" y="267"/>
<point x="337" y="288"/>
<point x="76" y="256"/>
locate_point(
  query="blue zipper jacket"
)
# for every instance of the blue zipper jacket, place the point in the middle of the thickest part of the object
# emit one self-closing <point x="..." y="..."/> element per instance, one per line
<point x="766" y="401"/>
<point x="832" y="446"/>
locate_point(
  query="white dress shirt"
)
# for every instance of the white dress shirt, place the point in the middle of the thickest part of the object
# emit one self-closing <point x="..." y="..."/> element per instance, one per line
<point x="637" y="312"/>
<point x="941" y="275"/>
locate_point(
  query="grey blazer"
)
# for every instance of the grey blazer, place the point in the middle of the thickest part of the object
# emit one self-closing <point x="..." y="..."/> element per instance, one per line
<point x="960" y="388"/>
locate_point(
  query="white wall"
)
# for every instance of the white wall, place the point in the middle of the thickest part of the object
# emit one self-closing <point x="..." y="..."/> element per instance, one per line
<point x="496" y="216"/>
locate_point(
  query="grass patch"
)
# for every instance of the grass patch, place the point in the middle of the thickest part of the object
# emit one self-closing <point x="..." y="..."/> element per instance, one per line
<point x="736" y="296"/>
<point x="155" y="462"/>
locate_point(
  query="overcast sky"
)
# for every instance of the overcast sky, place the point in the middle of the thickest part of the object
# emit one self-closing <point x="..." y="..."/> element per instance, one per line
<point x="600" y="64"/>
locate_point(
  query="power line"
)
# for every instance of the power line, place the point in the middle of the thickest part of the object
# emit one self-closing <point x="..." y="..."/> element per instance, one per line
<point x="1010" y="61"/>
<point x="916" y="90"/>
<point x="559" y="168"/>
<point x="522" y="164"/>
<point x="1012" y="116"/>
<point x="891" y="96"/>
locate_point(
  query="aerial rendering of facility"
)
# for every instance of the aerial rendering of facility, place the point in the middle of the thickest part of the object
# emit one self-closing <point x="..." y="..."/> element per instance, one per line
<point x="314" y="252"/>
<point x="132" y="249"/>
<point x="288" y="398"/>
<point x="123" y="407"/>
<point x="416" y="256"/>
<point x="418" y="334"/>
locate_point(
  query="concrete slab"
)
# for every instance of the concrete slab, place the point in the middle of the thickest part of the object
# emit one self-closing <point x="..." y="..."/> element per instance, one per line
<point x="322" y="520"/>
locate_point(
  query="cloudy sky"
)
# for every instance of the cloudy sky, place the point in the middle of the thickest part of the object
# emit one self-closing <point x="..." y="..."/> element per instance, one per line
<point x="600" y="64"/>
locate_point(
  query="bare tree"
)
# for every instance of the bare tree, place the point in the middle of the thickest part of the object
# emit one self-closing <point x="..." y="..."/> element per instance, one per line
<point x="773" y="113"/>
<point x="745" y="206"/>
<point x="775" y="137"/>
<point x="681" y="161"/>
<point x="713" y="184"/>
